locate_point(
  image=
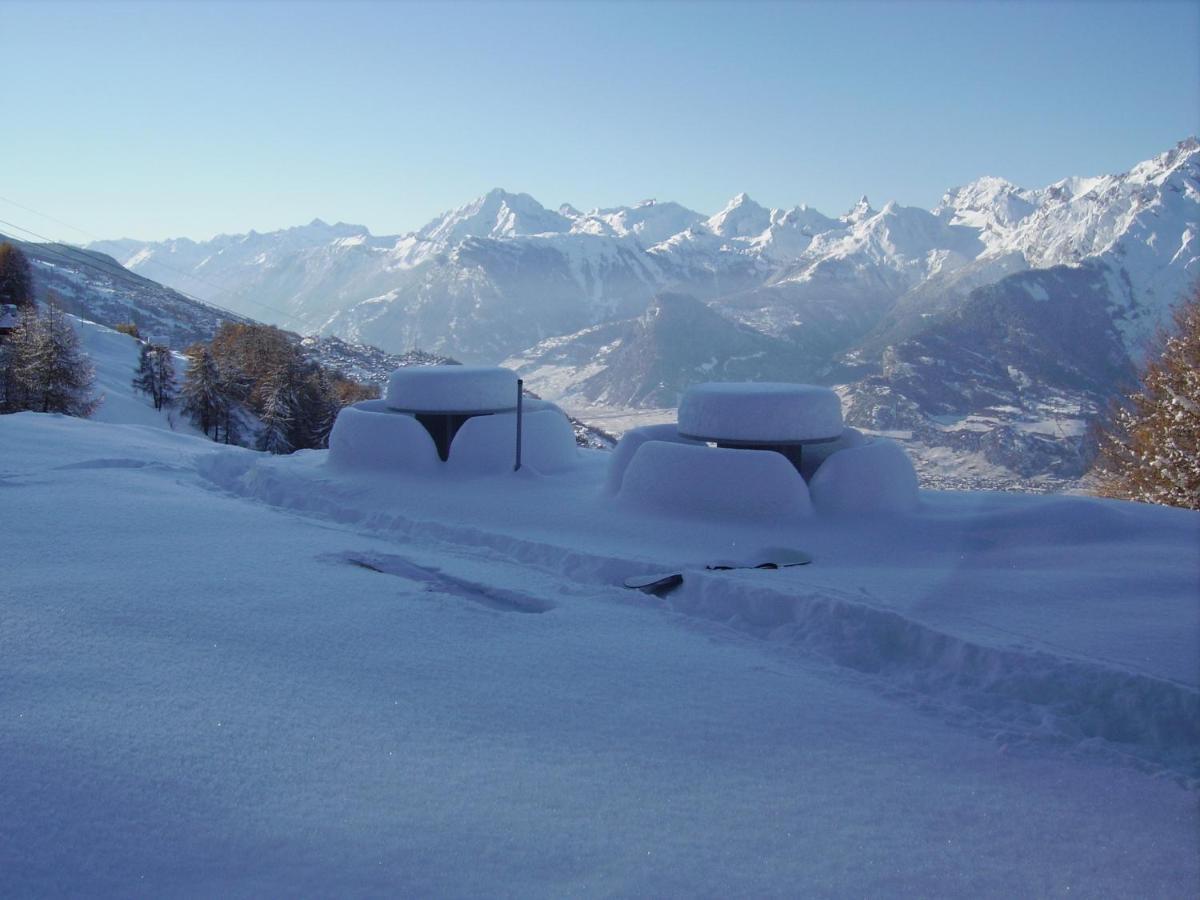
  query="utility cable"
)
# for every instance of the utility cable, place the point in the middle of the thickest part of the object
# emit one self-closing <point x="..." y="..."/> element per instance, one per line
<point x="279" y="312"/>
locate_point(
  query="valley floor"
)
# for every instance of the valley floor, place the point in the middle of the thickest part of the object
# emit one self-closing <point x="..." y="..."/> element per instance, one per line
<point x="227" y="674"/>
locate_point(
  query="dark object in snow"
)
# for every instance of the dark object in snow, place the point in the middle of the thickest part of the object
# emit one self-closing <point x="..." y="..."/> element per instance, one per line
<point x="442" y="427"/>
<point x="655" y="584"/>
<point x="520" y="410"/>
<point x="771" y="558"/>
<point x="443" y="398"/>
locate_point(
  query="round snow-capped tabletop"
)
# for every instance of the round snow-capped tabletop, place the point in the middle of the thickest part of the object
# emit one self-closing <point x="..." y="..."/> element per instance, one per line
<point x="452" y="389"/>
<point x="767" y="413"/>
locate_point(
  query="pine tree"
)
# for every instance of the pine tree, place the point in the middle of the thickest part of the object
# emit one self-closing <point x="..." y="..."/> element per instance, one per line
<point x="203" y="399"/>
<point x="278" y="414"/>
<point x="164" y="377"/>
<point x="47" y="369"/>
<point x="324" y="408"/>
<point x="16" y="278"/>
<point x="143" y="376"/>
<point x="155" y="375"/>
<point x="1150" y="444"/>
<point x="234" y="388"/>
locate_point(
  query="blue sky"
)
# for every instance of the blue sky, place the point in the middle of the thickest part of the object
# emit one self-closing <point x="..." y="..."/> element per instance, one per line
<point x="164" y="119"/>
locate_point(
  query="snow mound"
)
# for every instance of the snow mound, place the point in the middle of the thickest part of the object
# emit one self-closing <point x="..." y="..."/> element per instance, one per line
<point x="874" y="477"/>
<point x="452" y="389"/>
<point x="365" y="436"/>
<point x="814" y="456"/>
<point x="760" y="411"/>
<point x="631" y="441"/>
<point x="486" y="445"/>
<point x="712" y="483"/>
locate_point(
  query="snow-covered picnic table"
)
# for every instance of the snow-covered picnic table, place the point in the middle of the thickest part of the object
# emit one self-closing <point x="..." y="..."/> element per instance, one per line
<point x="761" y="416"/>
<point x="442" y="398"/>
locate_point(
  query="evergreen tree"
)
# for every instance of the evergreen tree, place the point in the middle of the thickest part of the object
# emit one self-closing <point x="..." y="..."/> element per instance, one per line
<point x="47" y="370"/>
<point x="278" y="414"/>
<point x="155" y="375"/>
<point x="143" y="376"/>
<point x="16" y="278"/>
<point x="1150" y="445"/>
<point x="164" y="377"/>
<point x="235" y="390"/>
<point x="323" y="410"/>
<point x="203" y="398"/>
<point x="12" y="351"/>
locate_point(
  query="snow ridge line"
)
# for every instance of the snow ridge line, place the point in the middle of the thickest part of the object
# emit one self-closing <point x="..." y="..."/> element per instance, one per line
<point x="1022" y="693"/>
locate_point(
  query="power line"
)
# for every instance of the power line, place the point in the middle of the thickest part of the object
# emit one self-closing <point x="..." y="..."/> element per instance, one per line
<point x="220" y="288"/>
<point x="51" y="249"/>
<point x="48" y="216"/>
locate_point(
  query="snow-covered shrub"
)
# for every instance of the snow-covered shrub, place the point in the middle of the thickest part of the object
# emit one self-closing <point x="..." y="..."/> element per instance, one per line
<point x="629" y="444"/>
<point x="486" y="445"/>
<point x="874" y="477"/>
<point x="366" y="439"/>
<point x="815" y="454"/>
<point x="712" y="483"/>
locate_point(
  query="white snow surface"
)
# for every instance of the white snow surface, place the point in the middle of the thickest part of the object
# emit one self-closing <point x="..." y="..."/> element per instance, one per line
<point x="452" y="388"/>
<point x="368" y="436"/>
<point x="697" y="482"/>
<point x="486" y="445"/>
<point x="630" y="442"/>
<point x="760" y="411"/>
<point x="230" y="673"/>
<point x="873" y="477"/>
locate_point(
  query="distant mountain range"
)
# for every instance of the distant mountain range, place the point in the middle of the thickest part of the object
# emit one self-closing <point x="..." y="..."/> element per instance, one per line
<point x="994" y="325"/>
<point x="96" y="288"/>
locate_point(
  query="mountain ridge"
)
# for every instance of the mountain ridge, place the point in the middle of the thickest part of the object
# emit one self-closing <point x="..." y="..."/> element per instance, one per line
<point x="860" y="301"/>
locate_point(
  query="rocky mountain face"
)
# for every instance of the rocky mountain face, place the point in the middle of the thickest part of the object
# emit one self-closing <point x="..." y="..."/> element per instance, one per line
<point x="649" y="360"/>
<point x="994" y="324"/>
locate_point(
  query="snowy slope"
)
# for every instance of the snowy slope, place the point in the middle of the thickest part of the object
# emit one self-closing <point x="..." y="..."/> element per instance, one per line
<point x="95" y="287"/>
<point x="354" y="685"/>
<point x="114" y="357"/>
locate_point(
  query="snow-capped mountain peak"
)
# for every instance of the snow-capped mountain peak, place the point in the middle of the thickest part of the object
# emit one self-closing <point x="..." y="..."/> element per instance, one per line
<point x="990" y="204"/>
<point x="859" y="211"/>
<point x="648" y="222"/>
<point x="497" y="214"/>
<point x="741" y="217"/>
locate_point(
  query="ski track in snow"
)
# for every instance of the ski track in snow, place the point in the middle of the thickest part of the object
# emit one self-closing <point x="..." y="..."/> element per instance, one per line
<point x="1030" y="691"/>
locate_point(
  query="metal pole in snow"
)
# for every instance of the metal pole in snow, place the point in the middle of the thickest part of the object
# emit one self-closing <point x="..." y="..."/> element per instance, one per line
<point x="520" y="393"/>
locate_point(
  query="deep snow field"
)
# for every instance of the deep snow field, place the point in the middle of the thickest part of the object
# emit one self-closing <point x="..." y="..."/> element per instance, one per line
<point x="228" y="673"/>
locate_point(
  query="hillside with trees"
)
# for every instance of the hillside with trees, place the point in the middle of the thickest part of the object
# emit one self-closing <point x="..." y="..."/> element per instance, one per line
<point x="1149" y="447"/>
<point x="257" y="384"/>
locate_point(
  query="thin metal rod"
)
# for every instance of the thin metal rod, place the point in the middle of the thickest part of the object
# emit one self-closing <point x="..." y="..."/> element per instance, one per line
<point x="520" y="398"/>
